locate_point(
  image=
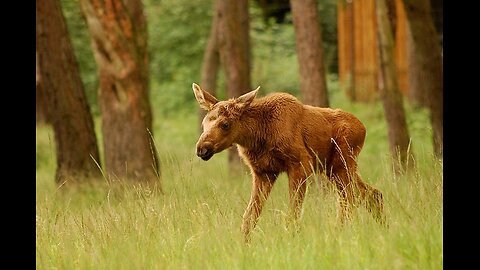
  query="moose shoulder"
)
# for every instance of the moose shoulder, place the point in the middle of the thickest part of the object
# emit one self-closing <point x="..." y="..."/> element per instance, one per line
<point x="277" y="133"/>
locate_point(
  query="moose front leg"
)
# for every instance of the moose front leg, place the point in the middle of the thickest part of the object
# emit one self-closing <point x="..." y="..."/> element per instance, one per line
<point x="261" y="187"/>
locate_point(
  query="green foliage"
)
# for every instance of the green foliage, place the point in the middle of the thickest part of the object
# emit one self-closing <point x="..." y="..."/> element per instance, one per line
<point x="274" y="60"/>
<point x="177" y="34"/>
<point x="327" y="11"/>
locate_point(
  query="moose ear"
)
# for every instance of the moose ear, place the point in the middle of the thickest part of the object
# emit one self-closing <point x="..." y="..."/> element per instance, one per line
<point x="244" y="100"/>
<point x="205" y="99"/>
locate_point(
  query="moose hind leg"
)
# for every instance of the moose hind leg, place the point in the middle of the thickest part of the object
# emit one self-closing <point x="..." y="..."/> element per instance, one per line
<point x="343" y="173"/>
<point x="353" y="192"/>
<point x="346" y="196"/>
<point x="372" y="199"/>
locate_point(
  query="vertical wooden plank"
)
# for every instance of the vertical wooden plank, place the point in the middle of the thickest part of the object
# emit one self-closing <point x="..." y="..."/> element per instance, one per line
<point x="358" y="48"/>
<point x="370" y="67"/>
<point x="341" y="41"/>
<point x="401" y="50"/>
<point x="345" y="47"/>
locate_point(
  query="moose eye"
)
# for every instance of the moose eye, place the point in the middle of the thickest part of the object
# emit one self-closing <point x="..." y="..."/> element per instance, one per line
<point x="225" y="126"/>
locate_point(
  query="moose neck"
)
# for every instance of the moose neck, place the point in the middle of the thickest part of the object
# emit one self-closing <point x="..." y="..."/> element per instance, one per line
<point x="253" y="128"/>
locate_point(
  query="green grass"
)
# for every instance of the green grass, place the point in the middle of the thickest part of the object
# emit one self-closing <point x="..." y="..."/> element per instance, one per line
<point x="195" y="224"/>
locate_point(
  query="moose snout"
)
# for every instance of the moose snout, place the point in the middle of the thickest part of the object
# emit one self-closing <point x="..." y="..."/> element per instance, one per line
<point x="205" y="150"/>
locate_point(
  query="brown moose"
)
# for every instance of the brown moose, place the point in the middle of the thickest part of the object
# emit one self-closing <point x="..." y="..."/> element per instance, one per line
<point x="277" y="134"/>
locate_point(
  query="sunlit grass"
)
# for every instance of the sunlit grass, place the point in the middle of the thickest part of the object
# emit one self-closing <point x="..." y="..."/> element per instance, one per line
<point x="195" y="223"/>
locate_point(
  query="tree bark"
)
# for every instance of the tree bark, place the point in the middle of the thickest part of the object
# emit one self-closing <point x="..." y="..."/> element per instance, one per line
<point x="309" y="46"/>
<point x="405" y="56"/>
<point x="436" y="7"/>
<point x="346" y="52"/>
<point x="429" y="60"/>
<point x="399" y="138"/>
<point x="68" y="110"/>
<point x="211" y="59"/>
<point x="40" y="98"/>
<point x="118" y="32"/>
<point x="234" y="44"/>
<point x="416" y="85"/>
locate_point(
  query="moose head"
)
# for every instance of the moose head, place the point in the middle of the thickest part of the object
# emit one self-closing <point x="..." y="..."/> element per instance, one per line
<point x="221" y="125"/>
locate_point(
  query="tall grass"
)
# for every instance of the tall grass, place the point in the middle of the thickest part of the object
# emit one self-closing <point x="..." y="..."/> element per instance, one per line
<point x="195" y="224"/>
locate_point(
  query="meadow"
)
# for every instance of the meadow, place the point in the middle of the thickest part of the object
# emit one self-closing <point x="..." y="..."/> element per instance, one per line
<point x="195" y="222"/>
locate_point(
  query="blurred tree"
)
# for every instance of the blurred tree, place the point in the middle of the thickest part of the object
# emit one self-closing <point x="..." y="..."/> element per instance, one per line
<point x="41" y="103"/>
<point x="313" y="85"/>
<point x="346" y="49"/>
<point x="392" y="99"/>
<point x="234" y="44"/>
<point x="211" y="58"/>
<point x="357" y="47"/>
<point x="68" y="110"/>
<point x="408" y="70"/>
<point x="80" y="38"/>
<point x="428" y="57"/>
<point x="437" y="16"/>
<point x="119" y="39"/>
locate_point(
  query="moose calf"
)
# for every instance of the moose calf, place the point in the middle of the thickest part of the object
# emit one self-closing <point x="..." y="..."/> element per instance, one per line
<point x="277" y="133"/>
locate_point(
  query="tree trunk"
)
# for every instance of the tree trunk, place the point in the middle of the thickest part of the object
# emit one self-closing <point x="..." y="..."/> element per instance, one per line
<point x="234" y="44"/>
<point x="407" y="68"/>
<point x="429" y="60"/>
<point x="437" y="17"/>
<point x="308" y="38"/>
<point x="40" y="98"/>
<point x="68" y="110"/>
<point x="416" y="85"/>
<point x="390" y="94"/>
<point x="118" y="33"/>
<point x="211" y="59"/>
<point x="346" y="52"/>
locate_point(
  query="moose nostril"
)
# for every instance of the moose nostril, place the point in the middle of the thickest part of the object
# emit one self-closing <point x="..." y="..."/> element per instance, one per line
<point x="201" y="152"/>
<point x="205" y="151"/>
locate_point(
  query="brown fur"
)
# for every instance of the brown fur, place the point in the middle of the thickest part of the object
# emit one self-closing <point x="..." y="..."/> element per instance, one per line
<point x="276" y="134"/>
